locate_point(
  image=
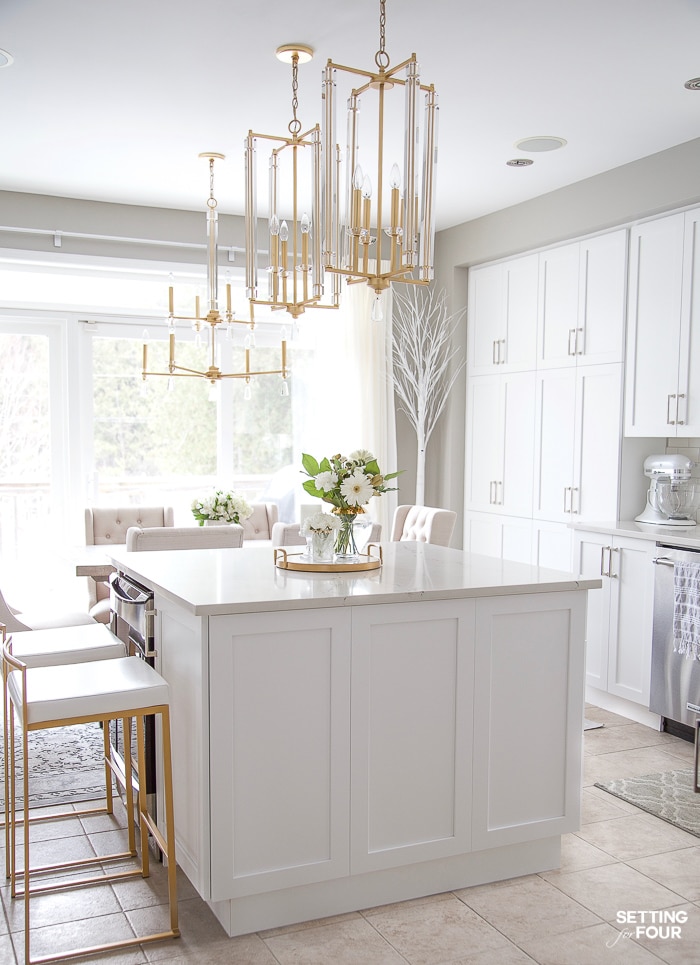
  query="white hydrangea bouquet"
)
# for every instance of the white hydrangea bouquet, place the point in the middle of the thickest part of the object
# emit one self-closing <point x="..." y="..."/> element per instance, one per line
<point x="348" y="483"/>
<point x="320" y="531"/>
<point x="221" y="507"/>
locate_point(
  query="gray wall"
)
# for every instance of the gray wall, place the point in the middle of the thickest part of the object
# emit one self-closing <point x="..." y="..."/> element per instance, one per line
<point x="621" y="196"/>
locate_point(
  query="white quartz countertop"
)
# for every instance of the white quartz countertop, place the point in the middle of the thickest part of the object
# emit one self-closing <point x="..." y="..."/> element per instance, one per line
<point x="218" y="581"/>
<point x="684" y="536"/>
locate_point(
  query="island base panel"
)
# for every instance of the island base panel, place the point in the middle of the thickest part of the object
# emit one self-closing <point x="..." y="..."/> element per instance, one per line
<point x="241" y="916"/>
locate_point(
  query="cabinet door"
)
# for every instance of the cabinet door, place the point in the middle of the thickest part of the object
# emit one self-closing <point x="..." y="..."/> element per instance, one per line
<point x="597" y="428"/>
<point x="554" y="444"/>
<point x="506" y="537"/>
<point x="688" y="419"/>
<point x="484" y="443"/>
<point x="631" y="616"/>
<point x="552" y="546"/>
<point x="591" y="555"/>
<point x="486" y="318"/>
<point x="280" y="749"/>
<point x="558" y="313"/>
<point x="527" y="725"/>
<point x="653" y="334"/>
<point x="518" y="457"/>
<point x="521" y="286"/>
<point x="602" y="292"/>
<point x="412" y="686"/>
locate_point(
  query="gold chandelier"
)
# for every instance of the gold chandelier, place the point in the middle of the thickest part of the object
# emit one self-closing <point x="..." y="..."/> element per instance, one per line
<point x="213" y="317"/>
<point x="293" y="251"/>
<point x="386" y="231"/>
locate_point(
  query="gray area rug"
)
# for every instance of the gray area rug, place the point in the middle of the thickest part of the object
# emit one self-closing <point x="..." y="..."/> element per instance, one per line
<point x="668" y="795"/>
<point x="64" y="766"/>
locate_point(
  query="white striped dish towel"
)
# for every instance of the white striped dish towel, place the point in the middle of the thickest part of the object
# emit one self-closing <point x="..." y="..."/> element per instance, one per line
<point x="686" y="609"/>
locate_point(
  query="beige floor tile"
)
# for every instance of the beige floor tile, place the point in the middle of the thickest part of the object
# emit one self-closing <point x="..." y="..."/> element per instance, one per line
<point x="577" y="854"/>
<point x="612" y="888"/>
<point x="608" y="767"/>
<point x="83" y="934"/>
<point x="598" y="805"/>
<point x="200" y="930"/>
<point x="67" y="905"/>
<point x="399" y="906"/>
<point x="600" y="716"/>
<point x="636" y="835"/>
<point x="441" y="931"/>
<point x="508" y="954"/>
<point x="678" y="870"/>
<point x="683" y="750"/>
<point x="142" y="892"/>
<point x="312" y="923"/>
<point x="681" y="950"/>
<point x="7" y="952"/>
<point x="244" y="950"/>
<point x="594" y="945"/>
<point x="524" y="908"/>
<point x="607" y="740"/>
<point x="344" y="943"/>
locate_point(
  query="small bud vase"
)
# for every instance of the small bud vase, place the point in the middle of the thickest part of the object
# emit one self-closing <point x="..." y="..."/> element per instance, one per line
<point x="320" y="545"/>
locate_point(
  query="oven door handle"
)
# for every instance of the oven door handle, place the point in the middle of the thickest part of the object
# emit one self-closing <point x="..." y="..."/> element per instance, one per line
<point x="663" y="561"/>
<point x="114" y="583"/>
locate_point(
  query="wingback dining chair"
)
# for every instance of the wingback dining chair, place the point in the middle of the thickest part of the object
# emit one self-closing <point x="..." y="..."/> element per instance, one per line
<point x="107" y="526"/>
<point x="139" y="538"/>
<point x="425" y="524"/>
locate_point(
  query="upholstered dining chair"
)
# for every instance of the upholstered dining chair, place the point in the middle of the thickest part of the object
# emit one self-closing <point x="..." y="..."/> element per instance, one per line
<point x="259" y="525"/>
<point x="183" y="537"/>
<point x="107" y="526"/>
<point x="425" y="524"/>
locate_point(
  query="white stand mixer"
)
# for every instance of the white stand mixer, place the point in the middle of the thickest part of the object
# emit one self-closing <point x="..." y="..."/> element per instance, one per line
<point x="671" y="496"/>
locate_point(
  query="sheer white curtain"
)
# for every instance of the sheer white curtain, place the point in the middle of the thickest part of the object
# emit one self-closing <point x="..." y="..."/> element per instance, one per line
<point x="350" y="396"/>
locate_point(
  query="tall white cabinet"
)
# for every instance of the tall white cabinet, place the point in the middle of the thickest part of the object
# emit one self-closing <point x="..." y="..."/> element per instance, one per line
<point x="543" y="440"/>
<point x="662" y="393"/>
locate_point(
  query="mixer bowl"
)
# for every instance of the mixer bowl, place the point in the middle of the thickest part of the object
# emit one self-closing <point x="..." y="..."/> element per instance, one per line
<point x="678" y="500"/>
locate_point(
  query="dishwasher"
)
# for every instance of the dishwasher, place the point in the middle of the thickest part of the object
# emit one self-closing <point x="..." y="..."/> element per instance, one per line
<point x="675" y="678"/>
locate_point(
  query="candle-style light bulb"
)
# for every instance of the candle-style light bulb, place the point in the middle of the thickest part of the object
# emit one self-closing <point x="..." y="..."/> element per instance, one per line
<point x="395" y="176"/>
<point x="357" y="178"/>
<point x="284" y="232"/>
<point x="274" y="225"/>
<point x="305" y="224"/>
<point x="366" y="187"/>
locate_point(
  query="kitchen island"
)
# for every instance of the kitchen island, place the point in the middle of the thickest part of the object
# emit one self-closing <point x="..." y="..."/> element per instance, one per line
<point x="346" y="740"/>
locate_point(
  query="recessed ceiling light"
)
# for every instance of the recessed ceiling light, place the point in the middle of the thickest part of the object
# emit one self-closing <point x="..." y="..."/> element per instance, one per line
<point x="543" y="143"/>
<point x="693" y="84"/>
<point x="520" y="162"/>
<point x="5" y="58"/>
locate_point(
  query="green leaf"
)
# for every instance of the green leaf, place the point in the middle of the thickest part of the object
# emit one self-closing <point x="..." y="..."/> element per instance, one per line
<point x="310" y="487"/>
<point x="393" y="475"/>
<point x="372" y="468"/>
<point x="325" y="465"/>
<point x="310" y="464"/>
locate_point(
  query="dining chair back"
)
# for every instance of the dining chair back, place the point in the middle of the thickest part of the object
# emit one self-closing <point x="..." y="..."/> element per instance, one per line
<point x="107" y="526"/>
<point x="425" y="524"/>
<point x="259" y="525"/>
<point x="183" y="537"/>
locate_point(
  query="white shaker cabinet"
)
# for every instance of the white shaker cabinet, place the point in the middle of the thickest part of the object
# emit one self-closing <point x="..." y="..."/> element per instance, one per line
<point x="619" y="615"/>
<point x="577" y="443"/>
<point x="662" y="394"/>
<point x="582" y="292"/>
<point x="506" y="537"/>
<point x="502" y="316"/>
<point x="500" y="443"/>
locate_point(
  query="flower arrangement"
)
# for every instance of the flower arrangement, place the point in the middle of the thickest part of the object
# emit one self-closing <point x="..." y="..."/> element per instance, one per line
<point x="223" y="507"/>
<point x="320" y="523"/>
<point x="348" y="483"/>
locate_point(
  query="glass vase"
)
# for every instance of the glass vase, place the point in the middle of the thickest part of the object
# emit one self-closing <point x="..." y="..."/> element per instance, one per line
<point x="320" y="546"/>
<point x="352" y="536"/>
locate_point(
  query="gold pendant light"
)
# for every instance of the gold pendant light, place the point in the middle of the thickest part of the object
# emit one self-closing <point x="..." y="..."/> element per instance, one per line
<point x="386" y="228"/>
<point x="294" y="264"/>
<point x="213" y="318"/>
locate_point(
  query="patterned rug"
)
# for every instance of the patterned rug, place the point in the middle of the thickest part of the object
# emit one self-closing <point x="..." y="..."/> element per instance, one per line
<point x="65" y="765"/>
<point x="668" y="796"/>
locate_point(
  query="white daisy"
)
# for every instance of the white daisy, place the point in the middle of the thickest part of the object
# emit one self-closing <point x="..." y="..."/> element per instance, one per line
<point x="361" y="455"/>
<point x="357" y="489"/>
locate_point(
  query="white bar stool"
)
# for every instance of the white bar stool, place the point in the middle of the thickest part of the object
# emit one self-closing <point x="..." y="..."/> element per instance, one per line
<point x="102" y="690"/>
<point x="50" y="648"/>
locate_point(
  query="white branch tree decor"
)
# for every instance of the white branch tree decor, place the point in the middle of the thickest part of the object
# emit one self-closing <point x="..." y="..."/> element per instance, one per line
<point x="422" y="356"/>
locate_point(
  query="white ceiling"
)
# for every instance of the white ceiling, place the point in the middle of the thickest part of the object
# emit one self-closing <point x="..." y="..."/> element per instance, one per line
<point x="113" y="102"/>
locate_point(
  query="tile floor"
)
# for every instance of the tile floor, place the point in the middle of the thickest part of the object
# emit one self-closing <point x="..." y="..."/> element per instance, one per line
<point x="621" y="859"/>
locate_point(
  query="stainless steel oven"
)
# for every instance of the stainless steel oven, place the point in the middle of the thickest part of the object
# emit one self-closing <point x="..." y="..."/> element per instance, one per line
<point x="132" y="620"/>
<point x="675" y="679"/>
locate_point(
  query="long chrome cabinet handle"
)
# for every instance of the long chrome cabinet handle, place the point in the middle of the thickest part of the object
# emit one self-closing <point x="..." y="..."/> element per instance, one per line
<point x="669" y="421"/>
<point x="494" y="352"/>
<point x="612" y="549"/>
<point x="663" y="561"/>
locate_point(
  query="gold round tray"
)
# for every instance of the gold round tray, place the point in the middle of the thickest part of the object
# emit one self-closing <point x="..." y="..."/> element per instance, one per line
<point x="295" y="561"/>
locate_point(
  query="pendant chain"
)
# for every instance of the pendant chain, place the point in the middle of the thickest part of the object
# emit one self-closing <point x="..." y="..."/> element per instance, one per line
<point x="381" y="58"/>
<point x="294" y="125"/>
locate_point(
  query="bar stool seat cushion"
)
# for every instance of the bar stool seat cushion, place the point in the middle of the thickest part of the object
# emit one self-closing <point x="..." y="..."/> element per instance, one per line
<point x="101" y="689"/>
<point x="46" y="648"/>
